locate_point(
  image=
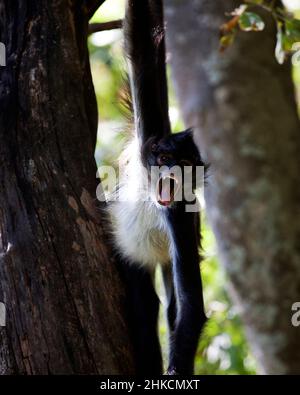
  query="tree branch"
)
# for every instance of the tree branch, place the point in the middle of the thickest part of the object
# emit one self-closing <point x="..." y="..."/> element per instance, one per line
<point x="99" y="27"/>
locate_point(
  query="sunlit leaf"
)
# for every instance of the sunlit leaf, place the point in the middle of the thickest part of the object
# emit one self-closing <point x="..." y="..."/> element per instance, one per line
<point x="249" y="21"/>
<point x="233" y="22"/>
<point x="240" y="10"/>
<point x="292" y="31"/>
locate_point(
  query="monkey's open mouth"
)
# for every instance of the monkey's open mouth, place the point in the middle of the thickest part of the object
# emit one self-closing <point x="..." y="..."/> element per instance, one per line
<point x="167" y="187"/>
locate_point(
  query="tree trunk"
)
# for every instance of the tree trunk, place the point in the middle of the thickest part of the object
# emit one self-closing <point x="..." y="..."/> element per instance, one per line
<point x="60" y="287"/>
<point x="241" y="104"/>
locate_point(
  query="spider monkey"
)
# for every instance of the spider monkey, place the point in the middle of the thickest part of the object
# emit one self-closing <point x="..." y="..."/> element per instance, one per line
<point x="157" y="230"/>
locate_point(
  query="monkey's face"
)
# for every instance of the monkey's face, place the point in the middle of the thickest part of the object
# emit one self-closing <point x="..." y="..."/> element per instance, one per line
<point x="172" y="166"/>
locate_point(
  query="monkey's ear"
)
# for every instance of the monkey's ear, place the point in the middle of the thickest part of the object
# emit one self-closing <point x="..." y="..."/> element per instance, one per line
<point x="149" y="148"/>
<point x="182" y="136"/>
<point x="152" y="144"/>
<point x="189" y="133"/>
<point x="154" y="147"/>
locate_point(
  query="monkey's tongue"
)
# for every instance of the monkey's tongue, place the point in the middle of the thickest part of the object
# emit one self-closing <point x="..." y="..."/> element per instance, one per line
<point x="166" y="191"/>
<point x="165" y="197"/>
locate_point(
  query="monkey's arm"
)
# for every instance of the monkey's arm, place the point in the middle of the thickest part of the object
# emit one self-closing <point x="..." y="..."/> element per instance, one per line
<point x="190" y="309"/>
<point x="145" y="48"/>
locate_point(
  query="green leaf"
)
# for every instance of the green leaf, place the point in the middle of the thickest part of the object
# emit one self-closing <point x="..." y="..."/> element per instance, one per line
<point x="292" y="30"/>
<point x="249" y="21"/>
<point x="296" y="54"/>
<point x="226" y="40"/>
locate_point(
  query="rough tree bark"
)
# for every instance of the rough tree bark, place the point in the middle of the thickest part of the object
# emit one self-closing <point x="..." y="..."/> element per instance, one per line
<point x="242" y="106"/>
<point x="62" y="294"/>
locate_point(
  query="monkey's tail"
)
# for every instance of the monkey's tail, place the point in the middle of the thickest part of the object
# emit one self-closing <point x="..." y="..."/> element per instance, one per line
<point x="144" y="35"/>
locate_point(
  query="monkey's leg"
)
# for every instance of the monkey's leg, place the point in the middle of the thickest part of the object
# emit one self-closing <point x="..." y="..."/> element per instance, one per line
<point x="188" y="285"/>
<point x="143" y="306"/>
<point x="170" y="296"/>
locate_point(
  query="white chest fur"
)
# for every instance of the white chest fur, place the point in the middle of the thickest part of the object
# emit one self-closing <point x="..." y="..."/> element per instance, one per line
<point x="139" y="234"/>
<point x="139" y="228"/>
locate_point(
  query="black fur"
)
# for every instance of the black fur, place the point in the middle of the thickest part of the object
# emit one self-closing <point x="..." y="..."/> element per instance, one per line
<point x="145" y="47"/>
<point x="190" y="317"/>
<point x="143" y="306"/>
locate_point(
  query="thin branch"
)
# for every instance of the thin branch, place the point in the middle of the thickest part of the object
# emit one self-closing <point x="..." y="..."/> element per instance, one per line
<point x="100" y="27"/>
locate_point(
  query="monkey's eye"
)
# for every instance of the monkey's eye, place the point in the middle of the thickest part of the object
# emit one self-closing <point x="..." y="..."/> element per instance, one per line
<point x="186" y="162"/>
<point x="162" y="159"/>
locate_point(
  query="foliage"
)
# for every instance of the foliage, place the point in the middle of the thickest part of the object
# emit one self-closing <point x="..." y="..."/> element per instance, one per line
<point x="223" y="348"/>
<point x="244" y="19"/>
